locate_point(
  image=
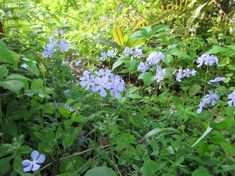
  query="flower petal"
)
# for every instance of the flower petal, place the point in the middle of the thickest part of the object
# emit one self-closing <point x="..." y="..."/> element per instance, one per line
<point x="28" y="168"/>
<point x="41" y="159"/>
<point x="35" y="167"/>
<point x="34" y="155"/>
<point x="26" y="162"/>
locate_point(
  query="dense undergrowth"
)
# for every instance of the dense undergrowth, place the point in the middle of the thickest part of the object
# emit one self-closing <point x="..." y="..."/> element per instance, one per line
<point x="111" y="88"/>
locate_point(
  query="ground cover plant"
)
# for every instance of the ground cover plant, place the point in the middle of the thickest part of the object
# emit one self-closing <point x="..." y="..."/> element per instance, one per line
<point x="111" y="88"/>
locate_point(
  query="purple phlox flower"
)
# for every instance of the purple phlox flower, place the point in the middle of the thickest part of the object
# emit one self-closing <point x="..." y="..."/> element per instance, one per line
<point x="231" y="98"/>
<point x="159" y="74"/>
<point x="104" y="72"/>
<point x="182" y="73"/>
<point x="34" y="165"/>
<point x="208" y="99"/>
<point x="111" y="54"/>
<point x="137" y="52"/>
<point x="78" y="63"/>
<point x="117" y="86"/>
<point x="59" y="32"/>
<point x="101" y="84"/>
<point x="179" y="75"/>
<point x="216" y="80"/>
<point x="49" y="48"/>
<point x="127" y="51"/>
<point x="154" y="58"/>
<point x="143" y="67"/>
<point x="82" y="137"/>
<point x="87" y="80"/>
<point x="103" y="56"/>
<point x="207" y="59"/>
<point x="63" y="45"/>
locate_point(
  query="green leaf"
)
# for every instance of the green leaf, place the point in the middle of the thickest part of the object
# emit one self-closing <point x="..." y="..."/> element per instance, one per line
<point x="228" y="148"/>
<point x="6" y="55"/>
<point x="100" y="171"/>
<point x="147" y="77"/>
<point x="118" y="36"/>
<point x="5" y="165"/>
<point x="16" y="77"/>
<point x="201" y="171"/>
<point x="12" y="85"/>
<point x="3" y="71"/>
<point x="150" y="168"/>
<point x="195" y="89"/>
<point x="118" y="63"/>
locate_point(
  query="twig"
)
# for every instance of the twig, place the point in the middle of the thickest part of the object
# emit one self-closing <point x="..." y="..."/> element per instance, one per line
<point x="73" y="155"/>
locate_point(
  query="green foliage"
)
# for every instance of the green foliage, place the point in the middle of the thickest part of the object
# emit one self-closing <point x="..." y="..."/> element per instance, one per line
<point x="153" y="129"/>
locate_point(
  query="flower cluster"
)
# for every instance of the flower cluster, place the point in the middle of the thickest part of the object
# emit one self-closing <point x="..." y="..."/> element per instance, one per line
<point x="182" y="73"/>
<point x="136" y="52"/>
<point x="216" y="80"/>
<point x="159" y="74"/>
<point x="52" y="46"/>
<point x="34" y="165"/>
<point x="109" y="54"/>
<point x="231" y="98"/>
<point x="207" y="59"/>
<point x="102" y="81"/>
<point x="153" y="59"/>
<point x="208" y="99"/>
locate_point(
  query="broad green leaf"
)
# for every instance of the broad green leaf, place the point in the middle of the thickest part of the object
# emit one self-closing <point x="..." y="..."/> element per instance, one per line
<point x="150" y="168"/>
<point x="12" y="85"/>
<point x="201" y="171"/>
<point x="16" y="77"/>
<point x="7" y="56"/>
<point x="228" y="148"/>
<point x="147" y="77"/>
<point x="208" y="130"/>
<point x="5" y="165"/>
<point x="3" y="71"/>
<point x="100" y="171"/>
<point x="118" y="36"/>
<point x="118" y="63"/>
<point x="195" y="89"/>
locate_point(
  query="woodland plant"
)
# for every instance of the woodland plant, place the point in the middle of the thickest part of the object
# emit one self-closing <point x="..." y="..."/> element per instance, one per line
<point x="83" y="96"/>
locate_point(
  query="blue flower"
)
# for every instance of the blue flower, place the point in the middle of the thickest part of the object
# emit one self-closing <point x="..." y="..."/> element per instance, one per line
<point x="101" y="84"/>
<point x="143" y="67"/>
<point x="111" y="54"/>
<point x="159" y="74"/>
<point x="87" y="80"/>
<point x="63" y="45"/>
<point x="231" y="98"/>
<point x="137" y="52"/>
<point x="78" y="63"/>
<point x="154" y="58"/>
<point x="184" y="73"/>
<point x="49" y="48"/>
<point x="103" y="56"/>
<point x="117" y="86"/>
<point x="34" y="165"/>
<point x="208" y="99"/>
<point x="216" y="80"/>
<point x="207" y="59"/>
<point x="127" y="51"/>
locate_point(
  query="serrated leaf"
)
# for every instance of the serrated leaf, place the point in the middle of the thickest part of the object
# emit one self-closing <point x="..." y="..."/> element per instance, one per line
<point x="118" y="36"/>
